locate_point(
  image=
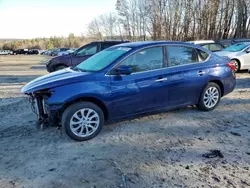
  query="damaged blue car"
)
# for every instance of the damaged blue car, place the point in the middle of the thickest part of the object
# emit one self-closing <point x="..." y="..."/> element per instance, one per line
<point x="127" y="80"/>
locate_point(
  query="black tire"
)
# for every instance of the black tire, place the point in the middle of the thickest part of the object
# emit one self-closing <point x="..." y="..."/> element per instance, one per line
<point x="201" y="105"/>
<point x="70" y="112"/>
<point x="237" y="65"/>
<point x="60" y="67"/>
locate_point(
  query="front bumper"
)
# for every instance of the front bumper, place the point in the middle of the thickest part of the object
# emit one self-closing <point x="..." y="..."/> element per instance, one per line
<point x="47" y="114"/>
<point x="49" y="67"/>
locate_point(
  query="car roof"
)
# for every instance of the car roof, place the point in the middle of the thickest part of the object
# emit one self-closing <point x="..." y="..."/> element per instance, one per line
<point x="202" y="41"/>
<point x="238" y="43"/>
<point x="153" y="43"/>
<point x="112" y="41"/>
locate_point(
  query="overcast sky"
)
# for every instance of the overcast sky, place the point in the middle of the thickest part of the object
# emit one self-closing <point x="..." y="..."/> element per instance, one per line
<point x="45" y="18"/>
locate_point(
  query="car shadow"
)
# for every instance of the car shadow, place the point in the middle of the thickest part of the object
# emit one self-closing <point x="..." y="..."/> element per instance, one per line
<point x="242" y="71"/>
<point x="242" y="83"/>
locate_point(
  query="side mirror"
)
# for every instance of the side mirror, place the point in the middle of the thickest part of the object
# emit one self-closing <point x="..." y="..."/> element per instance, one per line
<point x="124" y="70"/>
<point x="248" y="50"/>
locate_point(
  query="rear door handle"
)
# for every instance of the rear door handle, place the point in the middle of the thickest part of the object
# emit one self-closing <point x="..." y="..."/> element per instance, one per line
<point x="200" y="73"/>
<point x="161" y="80"/>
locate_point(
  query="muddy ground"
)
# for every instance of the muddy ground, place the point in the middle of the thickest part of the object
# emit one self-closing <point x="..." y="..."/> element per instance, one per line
<point x="161" y="150"/>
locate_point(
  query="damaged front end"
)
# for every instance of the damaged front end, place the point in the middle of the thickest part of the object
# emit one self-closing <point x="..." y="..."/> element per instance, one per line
<point x="39" y="105"/>
<point x="42" y="91"/>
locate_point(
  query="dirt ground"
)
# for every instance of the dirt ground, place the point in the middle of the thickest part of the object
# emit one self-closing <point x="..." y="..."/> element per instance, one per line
<point x="161" y="150"/>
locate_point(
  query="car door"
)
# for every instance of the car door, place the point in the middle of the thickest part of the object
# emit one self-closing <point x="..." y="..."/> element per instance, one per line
<point x="143" y="90"/>
<point x="187" y="75"/>
<point x="84" y="53"/>
<point x="245" y="58"/>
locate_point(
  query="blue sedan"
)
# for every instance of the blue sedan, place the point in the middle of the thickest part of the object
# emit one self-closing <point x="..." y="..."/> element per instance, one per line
<point x="127" y="80"/>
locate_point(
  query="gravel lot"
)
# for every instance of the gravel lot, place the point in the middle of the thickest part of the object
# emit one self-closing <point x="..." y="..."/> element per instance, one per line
<point x="161" y="150"/>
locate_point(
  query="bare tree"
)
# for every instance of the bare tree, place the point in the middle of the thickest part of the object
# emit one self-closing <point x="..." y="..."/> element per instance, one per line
<point x="94" y="28"/>
<point x="178" y="19"/>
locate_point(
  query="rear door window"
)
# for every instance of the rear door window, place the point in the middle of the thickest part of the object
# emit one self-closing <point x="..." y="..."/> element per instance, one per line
<point x="181" y="55"/>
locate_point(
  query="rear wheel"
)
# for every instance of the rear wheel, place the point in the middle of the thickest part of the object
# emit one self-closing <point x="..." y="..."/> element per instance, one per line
<point x="82" y="121"/>
<point x="210" y="97"/>
<point x="237" y="65"/>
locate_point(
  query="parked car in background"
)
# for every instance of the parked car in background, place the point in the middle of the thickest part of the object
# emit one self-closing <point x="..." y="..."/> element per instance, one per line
<point x="6" y="52"/>
<point x="21" y="51"/>
<point x="34" y="52"/>
<point x="56" y="51"/>
<point x="130" y="79"/>
<point x="211" y="45"/>
<point x="228" y="42"/>
<point x="42" y="52"/>
<point x="66" y="52"/>
<point x="81" y="54"/>
<point x="47" y="52"/>
<point x="239" y="53"/>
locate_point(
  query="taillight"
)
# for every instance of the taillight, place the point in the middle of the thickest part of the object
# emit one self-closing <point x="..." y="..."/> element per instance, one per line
<point x="231" y="64"/>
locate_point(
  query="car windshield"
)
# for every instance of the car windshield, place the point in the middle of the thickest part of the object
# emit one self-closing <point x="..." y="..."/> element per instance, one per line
<point x="236" y="47"/>
<point x="102" y="59"/>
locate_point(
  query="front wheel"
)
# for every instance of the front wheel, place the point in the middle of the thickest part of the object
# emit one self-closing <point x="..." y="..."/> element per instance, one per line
<point x="82" y="121"/>
<point x="210" y="97"/>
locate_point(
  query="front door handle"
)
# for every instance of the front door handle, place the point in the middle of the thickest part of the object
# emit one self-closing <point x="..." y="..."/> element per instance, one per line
<point x="201" y="73"/>
<point x="161" y="80"/>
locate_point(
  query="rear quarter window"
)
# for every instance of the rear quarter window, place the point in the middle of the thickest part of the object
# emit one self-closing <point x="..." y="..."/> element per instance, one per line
<point x="203" y="56"/>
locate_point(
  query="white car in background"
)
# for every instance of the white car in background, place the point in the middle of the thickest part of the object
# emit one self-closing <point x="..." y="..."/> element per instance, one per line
<point x="213" y="46"/>
<point x="6" y="52"/>
<point x="239" y="53"/>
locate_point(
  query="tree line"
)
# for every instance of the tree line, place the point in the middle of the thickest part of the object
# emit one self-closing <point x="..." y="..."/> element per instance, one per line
<point x="71" y="41"/>
<point x="174" y="20"/>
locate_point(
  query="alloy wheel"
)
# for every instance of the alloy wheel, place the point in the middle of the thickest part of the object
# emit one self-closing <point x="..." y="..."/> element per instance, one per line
<point x="84" y="122"/>
<point x="211" y="97"/>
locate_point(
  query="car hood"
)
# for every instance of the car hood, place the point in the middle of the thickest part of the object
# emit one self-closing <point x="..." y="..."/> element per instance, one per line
<point x="55" y="79"/>
<point x="227" y="54"/>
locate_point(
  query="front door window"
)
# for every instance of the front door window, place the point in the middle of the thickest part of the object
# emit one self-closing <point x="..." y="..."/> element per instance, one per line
<point x="146" y="60"/>
<point x="88" y="50"/>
